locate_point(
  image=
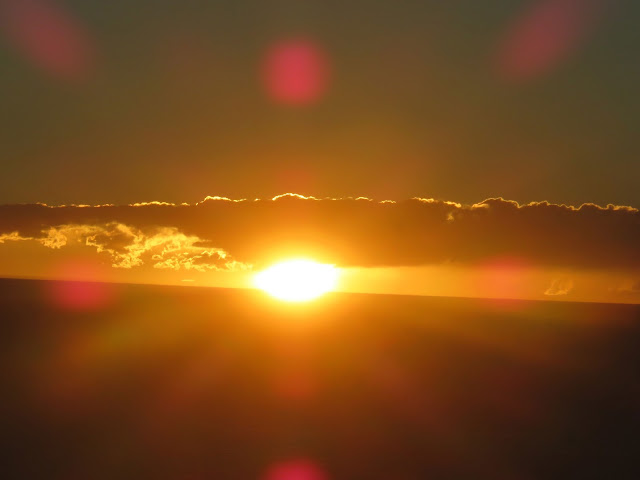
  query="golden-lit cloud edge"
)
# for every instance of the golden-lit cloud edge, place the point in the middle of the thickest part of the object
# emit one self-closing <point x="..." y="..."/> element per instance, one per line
<point x="227" y="234"/>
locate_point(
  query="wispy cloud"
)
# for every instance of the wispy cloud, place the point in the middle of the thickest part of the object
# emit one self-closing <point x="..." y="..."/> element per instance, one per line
<point x="559" y="286"/>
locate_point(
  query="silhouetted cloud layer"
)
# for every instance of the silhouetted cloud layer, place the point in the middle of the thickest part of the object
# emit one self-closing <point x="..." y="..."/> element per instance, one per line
<point x="225" y="234"/>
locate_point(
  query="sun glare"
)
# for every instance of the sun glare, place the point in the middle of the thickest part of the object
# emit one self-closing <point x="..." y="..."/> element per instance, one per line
<point x="297" y="280"/>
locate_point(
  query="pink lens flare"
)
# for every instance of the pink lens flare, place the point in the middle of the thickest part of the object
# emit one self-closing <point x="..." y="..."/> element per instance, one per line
<point x="49" y="37"/>
<point x="545" y="36"/>
<point x="503" y="277"/>
<point x="296" y="72"/>
<point x="81" y="295"/>
<point x="298" y="469"/>
<point x="295" y="386"/>
<point x="79" y="287"/>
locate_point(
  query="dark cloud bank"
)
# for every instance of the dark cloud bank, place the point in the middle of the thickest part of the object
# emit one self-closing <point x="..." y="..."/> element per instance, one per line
<point x="347" y="232"/>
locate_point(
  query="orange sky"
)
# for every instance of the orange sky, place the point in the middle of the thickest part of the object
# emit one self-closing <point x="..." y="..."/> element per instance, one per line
<point x="493" y="249"/>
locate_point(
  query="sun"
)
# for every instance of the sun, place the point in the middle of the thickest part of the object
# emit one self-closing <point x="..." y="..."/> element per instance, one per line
<point x="297" y="280"/>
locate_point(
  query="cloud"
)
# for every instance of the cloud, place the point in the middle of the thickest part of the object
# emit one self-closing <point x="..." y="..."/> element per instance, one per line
<point x="629" y="286"/>
<point x="222" y="233"/>
<point x="128" y="246"/>
<point x="11" y="237"/>
<point x="559" y="286"/>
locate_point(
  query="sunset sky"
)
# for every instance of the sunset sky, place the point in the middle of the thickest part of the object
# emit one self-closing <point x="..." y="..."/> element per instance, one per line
<point x="416" y="136"/>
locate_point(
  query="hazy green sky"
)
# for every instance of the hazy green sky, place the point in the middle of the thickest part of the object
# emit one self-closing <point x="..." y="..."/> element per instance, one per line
<point x="124" y="101"/>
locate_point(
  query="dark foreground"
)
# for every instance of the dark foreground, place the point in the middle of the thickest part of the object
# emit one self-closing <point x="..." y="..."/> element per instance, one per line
<point x="140" y="382"/>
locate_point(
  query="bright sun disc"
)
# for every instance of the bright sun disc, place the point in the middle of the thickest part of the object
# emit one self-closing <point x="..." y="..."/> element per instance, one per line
<point x="297" y="280"/>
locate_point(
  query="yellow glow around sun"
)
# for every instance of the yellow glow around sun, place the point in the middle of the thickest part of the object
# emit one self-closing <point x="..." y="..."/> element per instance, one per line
<point x="297" y="280"/>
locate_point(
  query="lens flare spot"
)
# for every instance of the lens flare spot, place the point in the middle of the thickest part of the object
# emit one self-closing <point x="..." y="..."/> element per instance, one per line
<point x="81" y="295"/>
<point x="49" y="36"/>
<point x="296" y="72"/>
<point x="545" y="36"/>
<point x="301" y="469"/>
<point x="503" y="278"/>
<point x="80" y="287"/>
<point x="295" y="386"/>
<point x="297" y="280"/>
